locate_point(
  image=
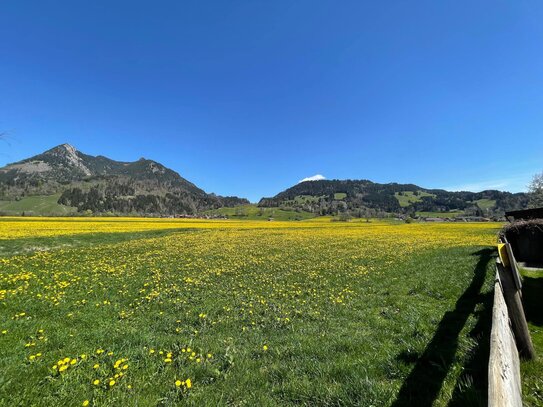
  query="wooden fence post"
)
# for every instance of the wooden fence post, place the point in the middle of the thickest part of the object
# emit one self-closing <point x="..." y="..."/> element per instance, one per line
<point x="513" y="264"/>
<point x="516" y="312"/>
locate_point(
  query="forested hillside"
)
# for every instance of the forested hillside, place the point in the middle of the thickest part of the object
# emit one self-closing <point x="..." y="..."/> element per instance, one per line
<point x="99" y="185"/>
<point x="364" y="198"/>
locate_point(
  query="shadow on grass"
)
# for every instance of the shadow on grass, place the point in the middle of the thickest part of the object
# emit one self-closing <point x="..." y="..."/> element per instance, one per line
<point x="423" y="384"/>
<point x="532" y="288"/>
<point x="27" y="245"/>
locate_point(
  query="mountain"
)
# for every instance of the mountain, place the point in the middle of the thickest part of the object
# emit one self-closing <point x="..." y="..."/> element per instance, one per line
<point x="100" y="184"/>
<point x="365" y="198"/>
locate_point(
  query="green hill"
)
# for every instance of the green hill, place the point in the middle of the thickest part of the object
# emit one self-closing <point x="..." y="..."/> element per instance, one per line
<point x="101" y="185"/>
<point x="36" y="205"/>
<point x="365" y="198"/>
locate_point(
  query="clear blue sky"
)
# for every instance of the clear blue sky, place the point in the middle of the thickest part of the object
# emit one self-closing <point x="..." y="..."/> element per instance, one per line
<point x="249" y="97"/>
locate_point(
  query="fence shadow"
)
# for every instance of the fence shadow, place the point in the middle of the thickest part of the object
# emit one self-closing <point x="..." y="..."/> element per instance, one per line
<point x="423" y="384"/>
<point x="472" y="386"/>
<point x="532" y="288"/>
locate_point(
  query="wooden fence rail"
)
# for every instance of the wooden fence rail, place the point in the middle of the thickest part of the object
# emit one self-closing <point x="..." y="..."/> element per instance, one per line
<point x="510" y="337"/>
<point x="504" y="384"/>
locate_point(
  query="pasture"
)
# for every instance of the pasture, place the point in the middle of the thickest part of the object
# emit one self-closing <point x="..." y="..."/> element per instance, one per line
<point x="164" y="312"/>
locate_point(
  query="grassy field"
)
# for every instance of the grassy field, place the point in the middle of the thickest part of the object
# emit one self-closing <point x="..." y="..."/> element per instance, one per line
<point x="486" y="204"/>
<point x="253" y="212"/>
<point x="408" y="197"/>
<point x="36" y="205"/>
<point x="188" y="312"/>
<point x="449" y="214"/>
<point x="533" y="303"/>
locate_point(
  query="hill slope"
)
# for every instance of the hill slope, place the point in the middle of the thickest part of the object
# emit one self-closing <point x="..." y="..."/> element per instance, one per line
<point x="100" y="184"/>
<point x="366" y="198"/>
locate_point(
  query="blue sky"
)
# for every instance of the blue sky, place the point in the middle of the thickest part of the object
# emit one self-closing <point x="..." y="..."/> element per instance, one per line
<point x="249" y="97"/>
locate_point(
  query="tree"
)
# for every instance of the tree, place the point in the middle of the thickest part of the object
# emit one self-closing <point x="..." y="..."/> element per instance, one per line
<point x="535" y="190"/>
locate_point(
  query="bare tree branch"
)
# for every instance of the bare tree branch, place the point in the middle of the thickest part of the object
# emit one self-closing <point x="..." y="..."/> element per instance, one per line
<point x="536" y="191"/>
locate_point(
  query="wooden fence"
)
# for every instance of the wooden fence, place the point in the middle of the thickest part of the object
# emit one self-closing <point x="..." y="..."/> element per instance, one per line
<point x="510" y="336"/>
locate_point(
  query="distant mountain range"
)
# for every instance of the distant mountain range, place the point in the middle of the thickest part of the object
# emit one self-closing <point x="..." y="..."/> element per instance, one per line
<point x="365" y="198"/>
<point x="101" y="185"/>
<point x="79" y="183"/>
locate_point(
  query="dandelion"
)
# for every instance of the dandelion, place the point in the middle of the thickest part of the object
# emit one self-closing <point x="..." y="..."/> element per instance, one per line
<point x="270" y="280"/>
<point x="85" y="403"/>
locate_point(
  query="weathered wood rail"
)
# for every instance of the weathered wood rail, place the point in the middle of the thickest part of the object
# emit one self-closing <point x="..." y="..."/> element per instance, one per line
<point x="510" y="337"/>
<point x="504" y="384"/>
